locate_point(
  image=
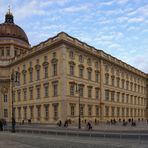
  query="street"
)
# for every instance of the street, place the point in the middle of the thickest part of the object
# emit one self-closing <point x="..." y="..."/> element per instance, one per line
<point x="24" y="140"/>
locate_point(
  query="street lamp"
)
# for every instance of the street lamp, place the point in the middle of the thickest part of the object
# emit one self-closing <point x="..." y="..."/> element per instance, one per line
<point x="78" y="90"/>
<point x="14" y="79"/>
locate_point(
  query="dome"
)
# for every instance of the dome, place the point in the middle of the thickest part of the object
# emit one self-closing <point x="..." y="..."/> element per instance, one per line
<point x="11" y="30"/>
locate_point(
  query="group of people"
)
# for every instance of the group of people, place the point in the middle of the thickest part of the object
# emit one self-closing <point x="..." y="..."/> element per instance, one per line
<point x="67" y="122"/>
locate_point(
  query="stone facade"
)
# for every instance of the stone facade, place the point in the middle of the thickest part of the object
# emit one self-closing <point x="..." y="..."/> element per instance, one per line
<point x="48" y="74"/>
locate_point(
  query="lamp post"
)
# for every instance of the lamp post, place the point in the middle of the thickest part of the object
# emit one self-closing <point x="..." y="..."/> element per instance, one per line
<point x="14" y="79"/>
<point x="78" y="89"/>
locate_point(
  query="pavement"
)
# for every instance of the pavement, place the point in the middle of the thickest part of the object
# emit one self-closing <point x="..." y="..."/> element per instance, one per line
<point x="118" y="131"/>
<point x="25" y="140"/>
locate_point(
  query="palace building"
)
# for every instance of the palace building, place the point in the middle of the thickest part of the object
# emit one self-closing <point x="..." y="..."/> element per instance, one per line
<point x="63" y="77"/>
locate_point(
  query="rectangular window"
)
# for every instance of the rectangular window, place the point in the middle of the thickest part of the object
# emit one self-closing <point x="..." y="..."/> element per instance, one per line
<point x="46" y="112"/>
<point x="89" y="110"/>
<point x="118" y="96"/>
<point x="89" y="92"/>
<point x="106" y="95"/>
<point x="72" y="90"/>
<point x="38" y="92"/>
<point x="46" y="89"/>
<point x="31" y="112"/>
<point x="31" y="93"/>
<point x="97" y="77"/>
<point x="97" y="110"/>
<point x="81" y="110"/>
<point x="46" y="72"/>
<point x="38" y="112"/>
<point x="72" y="110"/>
<point x="19" y="95"/>
<point x="81" y="72"/>
<point x="89" y="75"/>
<point x="6" y="97"/>
<point x="55" y="90"/>
<point x="38" y="74"/>
<point x="8" y="52"/>
<point x="97" y="93"/>
<point x="55" y="69"/>
<point x="25" y="94"/>
<point x="5" y="113"/>
<point x="25" y="113"/>
<point x="106" y="79"/>
<point x="112" y="96"/>
<point x="55" y="107"/>
<point x="31" y="76"/>
<point x="72" y="70"/>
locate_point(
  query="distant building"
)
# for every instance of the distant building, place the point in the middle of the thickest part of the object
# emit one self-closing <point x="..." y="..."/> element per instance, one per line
<point x="47" y="74"/>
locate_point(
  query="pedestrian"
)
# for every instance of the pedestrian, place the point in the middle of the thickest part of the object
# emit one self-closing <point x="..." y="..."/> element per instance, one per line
<point x="66" y="123"/>
<point x="89" y="126"/>
<point x="1" y="125"/>
<point x="60" y="123"/>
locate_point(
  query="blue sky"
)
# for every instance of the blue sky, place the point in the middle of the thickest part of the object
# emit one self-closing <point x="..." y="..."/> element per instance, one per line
<point x="119" y="27"/>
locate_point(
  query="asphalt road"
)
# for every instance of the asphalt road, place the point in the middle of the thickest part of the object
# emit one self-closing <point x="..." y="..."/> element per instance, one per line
<point x="19" y="140"/>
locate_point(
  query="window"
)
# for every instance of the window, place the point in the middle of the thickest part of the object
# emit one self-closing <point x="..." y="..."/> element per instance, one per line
<point x="89" y="92"/>
<point x="25" y="113"/>
<point x="81" y="110"/>
<point x="97" y="76"/>
<point x="97" y="110"/>
<point x="127" y="85"/>
<point x="6" y="97"/>
<point x="19" y="95"/>
<point x="123" y="81"/>
<point x="81" y="58"/>
<point x="55" y="111"/>
<point x="46" y="89"/>
<point x="24" y="77"/>
<point x="19" y="112"/>
<point x="71" y="54"/>
<point x="106" y="95"/>
<point x="118" y="112"/>
<point x="46" y="112"/>
<point x="89" y="110"/>
<point x="89" y="75"/>
<point x="106" y="111"/>
<point x="31" y="93"/>
<point x="31" y="112"/>
<point x="38" y="112"/>
<point x="118" y="96"/>
<point x="118" y="82"/>
<point x="81" y="71"/>
<point x="46" y="72"/>
<point x="2" y="52"/>
<point x="8" y="51"/>
<point x="38" y="74"/>
<point x="72" y="89"/>
<point x="112" y="96"/>
<point x="123" y="98"/>
<point x="31" y="76"/>
<point x="97" y="93"/>
<point x="89" y="61"/>
<point x="113" y="80"/>
<point x="106" y="79"/>
<point x="71" y="70"/>
<point x="25" y="94"/>
<point x="55" y="89"/>
<point x="5" y="113"/>
<point x="113" y="111"/>
<point x="54" y="69"/>
<point x="81" y="91"/>
<point x="38" y="92"/>
<point x="72" y="110"/>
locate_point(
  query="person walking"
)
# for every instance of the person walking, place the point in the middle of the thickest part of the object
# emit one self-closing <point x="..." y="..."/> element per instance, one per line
<point x="1" y="125"/>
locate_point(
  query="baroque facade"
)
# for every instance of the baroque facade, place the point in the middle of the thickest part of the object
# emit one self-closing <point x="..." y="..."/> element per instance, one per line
<point x="47" y="74"/>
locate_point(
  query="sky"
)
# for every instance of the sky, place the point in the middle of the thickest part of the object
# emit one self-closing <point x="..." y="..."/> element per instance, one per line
<point x="118" y="27"/>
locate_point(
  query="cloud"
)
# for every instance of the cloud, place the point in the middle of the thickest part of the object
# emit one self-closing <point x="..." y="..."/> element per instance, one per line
<point x="79" y="8"/>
